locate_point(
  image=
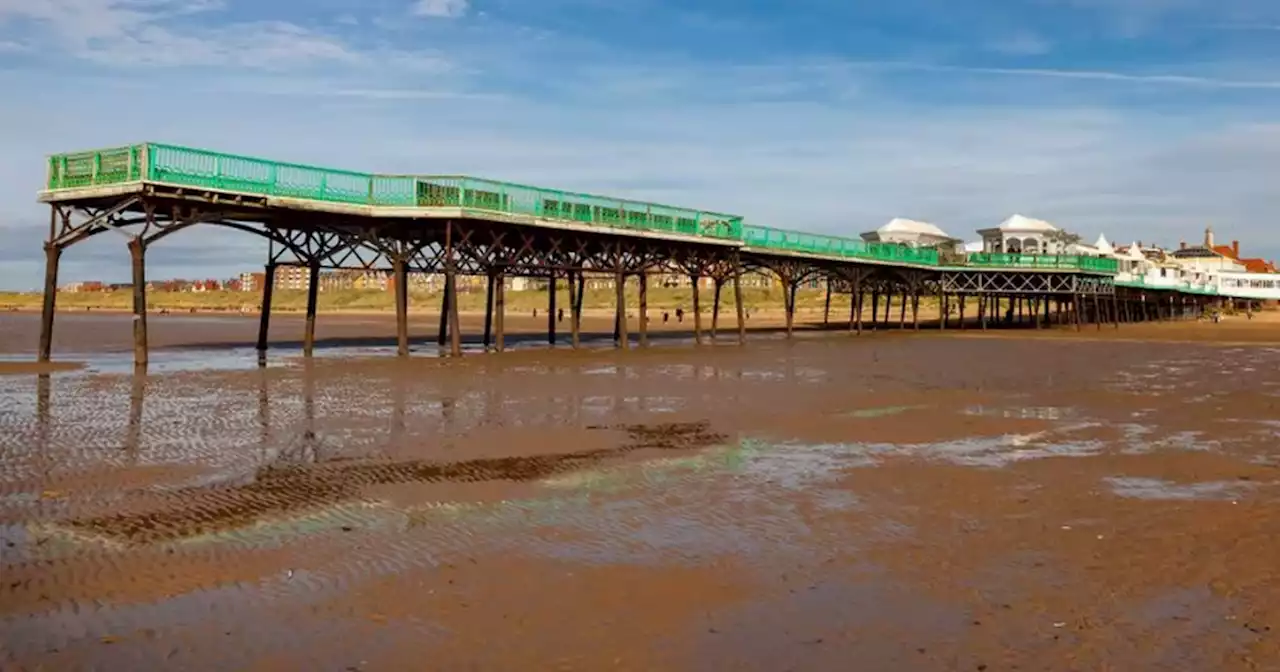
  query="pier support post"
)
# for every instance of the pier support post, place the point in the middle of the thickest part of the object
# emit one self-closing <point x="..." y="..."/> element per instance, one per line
<point x="875" y="307"/>
<point x="400" y="272"/>
<point x="551" y="309"/>
<point x="488" y="309"/>
<point x="1075" y="309"/>
<point x="137" y="254"/>
<point x="902" y="312"/>
<point x="52" y="254"/>
<point x="442" y="336"/>
<point x="500" y="312"/>
<point x="697" y="311"/>
<point x="644" y="309"/>
<point x="915" y="309"/>
<point x="855" y="304"/>
<point x="455" y="329"/>
<point x="620" y="283"/>
<point x="575" y="302"/>
<point x="264" y="318"/>
<point x="789" y="301"/>
<point x="313" y="289"/>
<point x="982" y="310"/>
<point x="962" y="299"/>
<point x="942" y="310"/>
<point x="1097" y="313"/>
<point x="737" y="300"/>
<point x="826" y="310"/>
<point x="715" y="306"/>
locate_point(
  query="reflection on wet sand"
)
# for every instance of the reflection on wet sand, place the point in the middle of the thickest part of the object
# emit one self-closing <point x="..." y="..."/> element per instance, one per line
<point x="914" y="503"/>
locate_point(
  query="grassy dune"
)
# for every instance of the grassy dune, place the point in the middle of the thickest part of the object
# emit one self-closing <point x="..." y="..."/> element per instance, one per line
<point x="754" y="299"/>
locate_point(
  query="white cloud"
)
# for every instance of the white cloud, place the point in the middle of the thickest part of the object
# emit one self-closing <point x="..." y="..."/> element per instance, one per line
<point x="441" y="8"/>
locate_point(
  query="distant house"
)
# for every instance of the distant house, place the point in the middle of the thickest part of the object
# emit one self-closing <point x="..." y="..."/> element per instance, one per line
<point x="1207" y="256"/>
<point x="911" y="233"/>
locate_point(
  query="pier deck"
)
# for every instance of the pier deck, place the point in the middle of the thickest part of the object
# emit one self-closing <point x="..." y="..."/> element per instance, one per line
<point x="448" y="224"/>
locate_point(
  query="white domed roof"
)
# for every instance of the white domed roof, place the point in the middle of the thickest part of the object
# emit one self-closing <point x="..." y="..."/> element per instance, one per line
<point x="1022" y="223"/>
<point x="901" y="225"/>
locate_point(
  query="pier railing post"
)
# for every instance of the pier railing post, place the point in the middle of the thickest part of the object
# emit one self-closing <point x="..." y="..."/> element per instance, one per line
<point x="137" y="254"/>
<point x="52" y="254"/>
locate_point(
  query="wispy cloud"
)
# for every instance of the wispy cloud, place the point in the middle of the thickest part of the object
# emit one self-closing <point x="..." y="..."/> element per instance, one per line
<point x="441" y="8"/>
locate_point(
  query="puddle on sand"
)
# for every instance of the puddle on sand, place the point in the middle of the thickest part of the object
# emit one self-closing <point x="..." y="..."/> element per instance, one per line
<point x="1134" y="487"/>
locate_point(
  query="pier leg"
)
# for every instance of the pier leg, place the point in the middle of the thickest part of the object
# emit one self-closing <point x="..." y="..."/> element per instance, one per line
<point x="737" y="300"/>
<point x="137" y="252"/>
<point x="500" y="312"/>
<point x="401" y="272"/>
<point x="1097" y="313"/>
<point x="982" y="310"/>
<point x="888" y="307"/>
<point x="488" y="309"/>
<point x="789" y="303"/>
<point x="915" y="310"/>
<point x="264" y="319"/>
<point x="52" y="254"/>
<point x="1115" y="312"/>
<point x="826" y="311"/>
<point x="620" y="282"/>
<point x="574" y="303"/>
<point x="551" y="309"/>
<point x="455" y="329"/>
<point x="697" y="311"/>
<point x="442" y="336"/>
<point x="856" y="300"/>
<point x="942" y="310"/>
<point x="961" y="298"/>
<point x="582" y="289"/>
<point x="644" y="310"/>
<point x="715" y="307"/>
<point x="313" y="289"/>
<point x="902" y="312"/>
<point x="1075" y="310"/>
<point x="875" y="308"/>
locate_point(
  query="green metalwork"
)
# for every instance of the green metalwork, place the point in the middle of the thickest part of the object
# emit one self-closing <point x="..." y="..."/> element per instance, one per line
<point x="1064" y="262"/>
<point x="834" y="246"/>
<point x="184" y="166"/>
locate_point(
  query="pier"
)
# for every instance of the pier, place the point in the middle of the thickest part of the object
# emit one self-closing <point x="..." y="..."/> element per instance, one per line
<point x="320" y="218"/>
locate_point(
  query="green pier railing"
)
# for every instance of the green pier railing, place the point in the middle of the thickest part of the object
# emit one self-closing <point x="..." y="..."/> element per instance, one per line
<point x="185" y="166"/>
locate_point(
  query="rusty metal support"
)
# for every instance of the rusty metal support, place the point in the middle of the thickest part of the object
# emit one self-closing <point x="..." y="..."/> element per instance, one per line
<point x="313" y="289"/>
<point x="442" y="335"/>
<point x="137" y="253"/>
<point x="789" y="300"/>
<point x="52" y="254"/>
<point x="400" y="270"/>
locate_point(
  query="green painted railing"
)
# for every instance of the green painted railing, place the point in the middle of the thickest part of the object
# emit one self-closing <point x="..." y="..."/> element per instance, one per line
<point x="1045" y="261"/>
<point x="171" y="164"/>
<point x="834" y="246"/>
<point x="228" y="172"/>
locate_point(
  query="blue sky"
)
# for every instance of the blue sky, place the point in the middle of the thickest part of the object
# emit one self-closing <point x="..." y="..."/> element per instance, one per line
<point x="1143" y="119"/>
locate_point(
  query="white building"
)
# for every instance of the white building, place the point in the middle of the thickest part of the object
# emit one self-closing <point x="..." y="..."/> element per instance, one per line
<point x="911" y="233"/>
<point x="1023" y="235"/>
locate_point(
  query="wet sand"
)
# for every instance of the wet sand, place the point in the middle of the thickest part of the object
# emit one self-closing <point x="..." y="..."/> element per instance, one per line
<point x="1013" y="500"/>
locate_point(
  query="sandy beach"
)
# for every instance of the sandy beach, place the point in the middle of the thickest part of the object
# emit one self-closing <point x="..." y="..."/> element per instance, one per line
<point x="1061" y="500"/>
